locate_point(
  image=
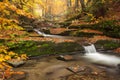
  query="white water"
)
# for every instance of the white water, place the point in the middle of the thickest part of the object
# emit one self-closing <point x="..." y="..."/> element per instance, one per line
<point x="46" y="35"/>
<point x="90" y="49"/>
<point x="95" y="57"/>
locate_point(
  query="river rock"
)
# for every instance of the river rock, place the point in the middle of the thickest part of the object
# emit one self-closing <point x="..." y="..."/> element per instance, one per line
<point x="118" y="67"/>
<point x="66" y="57"/>
<point x="16" y="63"/>
<point x="76" y="68"/>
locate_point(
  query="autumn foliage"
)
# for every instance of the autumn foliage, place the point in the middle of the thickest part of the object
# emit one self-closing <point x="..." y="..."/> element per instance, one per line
<point x="10" y="16"/>
<point x="5" y="56"/>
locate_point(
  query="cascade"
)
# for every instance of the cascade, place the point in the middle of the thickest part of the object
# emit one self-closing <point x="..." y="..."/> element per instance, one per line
<point x="46" y="35"/>
<point x="99" y="58"/>
<point x="39" y="32"/>
<point x="90" y="49"/>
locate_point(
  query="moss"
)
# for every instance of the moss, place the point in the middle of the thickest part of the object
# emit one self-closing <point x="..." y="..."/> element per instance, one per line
<point x="47" y="31"/>
<point x="84" y="34"/>
<point x="81" y="26"/>
<point x="66" y="33"/>
<point x="64" y="24"/>
<point x="2" y="42"/>
<point x="109" y="28"/>
<point x="107" y="44"/>
<point x="33" y="48"/>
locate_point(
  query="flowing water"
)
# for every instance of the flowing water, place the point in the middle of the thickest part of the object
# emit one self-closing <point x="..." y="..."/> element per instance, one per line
<point x="46" y="35"/>
<point x="90" y="49"/>
<point x="91" y="54"/>
<point x="99" y="58"/>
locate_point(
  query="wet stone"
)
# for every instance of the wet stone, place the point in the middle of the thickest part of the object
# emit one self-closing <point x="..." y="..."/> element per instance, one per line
<point x="66" y="57"/>
<point x="16" y="63"/>
<point x="76" y="68"/>
<point x="118" y="67"/>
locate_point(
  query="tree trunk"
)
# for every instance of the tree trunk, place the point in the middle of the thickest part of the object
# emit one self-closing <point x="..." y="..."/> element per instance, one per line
<point x="69" y="3"/>
<point x="82" y="2"/>
<point x="76" y="4"/>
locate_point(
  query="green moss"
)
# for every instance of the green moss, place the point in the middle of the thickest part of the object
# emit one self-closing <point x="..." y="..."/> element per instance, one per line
<point x="81" y="26"/>
<point x="109" y="28"/>
<point x="2" y="42"/>
<point x="107" y="44"/>
<point x="33" y="48"/>
<point x="84" y="34"/>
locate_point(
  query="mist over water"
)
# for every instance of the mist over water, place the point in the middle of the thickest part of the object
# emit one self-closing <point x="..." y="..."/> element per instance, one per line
<point x="99" y="58"/>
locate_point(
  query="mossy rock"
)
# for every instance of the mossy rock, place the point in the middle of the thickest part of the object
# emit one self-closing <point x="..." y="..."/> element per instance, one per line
<point x="64" y="24"/>
<point x="84" y="34"/>
<point x="67" y="33"/>
<point x="81" y="26"/>
<point x="46" y="31"/>
<point x="109" y="28"/>
<point x="107" y="44"/>
<point x="34" y="48"/>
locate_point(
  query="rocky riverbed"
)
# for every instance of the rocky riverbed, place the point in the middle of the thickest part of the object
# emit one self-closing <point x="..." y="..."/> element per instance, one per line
<point x="54" y="68"/>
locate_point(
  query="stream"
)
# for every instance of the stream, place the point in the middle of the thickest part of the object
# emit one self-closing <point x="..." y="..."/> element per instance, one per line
<point x="92" y="66"/>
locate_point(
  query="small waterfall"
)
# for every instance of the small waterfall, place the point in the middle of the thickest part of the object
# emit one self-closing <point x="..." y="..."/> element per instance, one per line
<point x="40" y="33"/>
<point x="90" y="49"/>
<point x="104" y="59"/>
<point x="46" y="35"/>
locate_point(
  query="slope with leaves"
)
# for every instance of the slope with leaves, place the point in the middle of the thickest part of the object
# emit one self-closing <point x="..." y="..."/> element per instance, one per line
<point x="10" y="16"/>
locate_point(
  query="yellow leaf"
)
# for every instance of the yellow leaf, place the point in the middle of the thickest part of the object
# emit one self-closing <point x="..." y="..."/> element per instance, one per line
<point x="7" y="57"/>
<point x="11" y="53"/>
<point x="1" y="66"/>
<point x="18" y="58"/>
<point x="24" y="56"/>
<point x="2" y="59"/>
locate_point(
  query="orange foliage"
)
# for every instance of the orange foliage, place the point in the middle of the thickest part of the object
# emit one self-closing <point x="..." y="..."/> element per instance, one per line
<point x="96" y="38"/>
<point x="18" y="11"/>
<point x="57" y="30"/>
<point x="91" y="31"/>
<point x="10" y="15"/>
<point x="6" y="70"/>
<point x="117" y="50"/>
